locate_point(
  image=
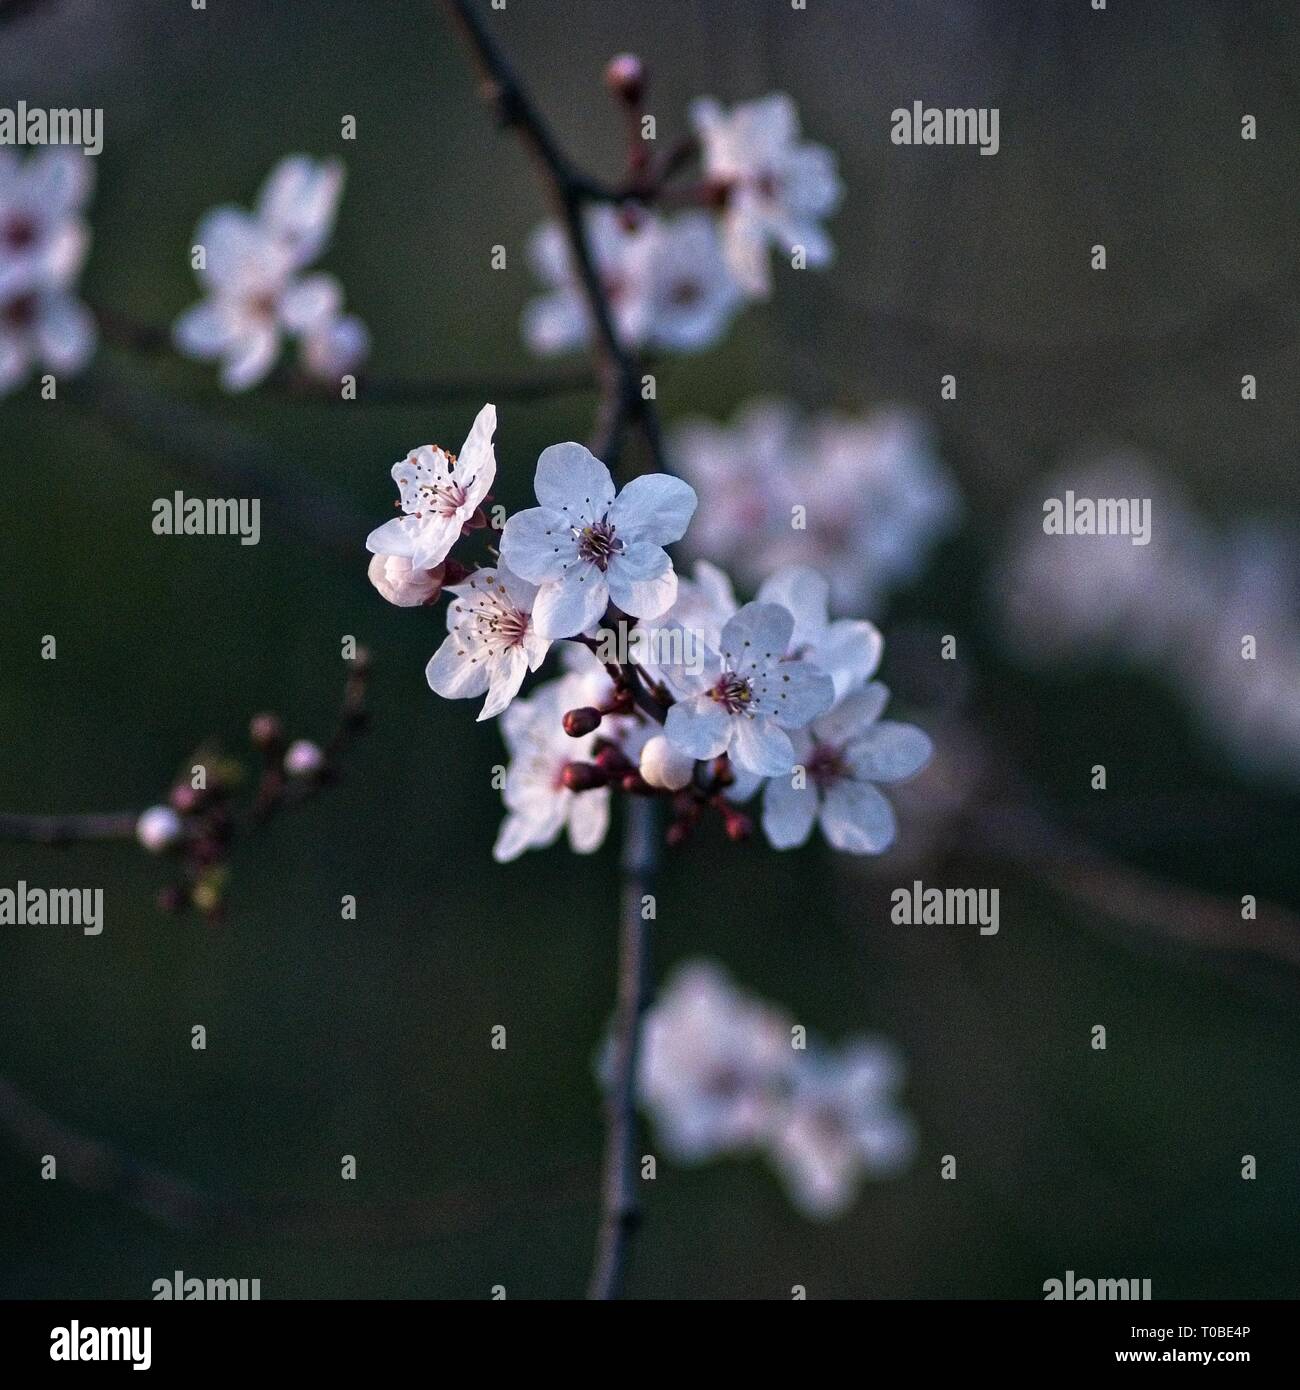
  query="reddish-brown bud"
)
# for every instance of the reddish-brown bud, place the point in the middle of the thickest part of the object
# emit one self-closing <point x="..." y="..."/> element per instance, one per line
<point x="185" y="799"/>
<point x="677" y="833"/>
<point x="580" y="722"/>
<point x="637" y="785"/>
<point x="739" y="827"/>
<point x="723" y="776"/>
<point x="609" y="758"/>
<point x="583" y="777"/>
<point x="266" y="731"/>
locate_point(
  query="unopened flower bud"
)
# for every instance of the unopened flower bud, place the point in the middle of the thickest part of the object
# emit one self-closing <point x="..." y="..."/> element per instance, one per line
<point x="393" y="576"/>
<point x="185" y="798"/>
<point x="583" y="777"/>
<point x="739" y="827"/>
<point x="158" y="829"/>
<point x="304" y="758"/>
<point x="634" y="783"/>
<point x="266" y="731"/>
<point x="625" y="77"/>
<point x="664" y="766"/>
<point x="579" y="722"/>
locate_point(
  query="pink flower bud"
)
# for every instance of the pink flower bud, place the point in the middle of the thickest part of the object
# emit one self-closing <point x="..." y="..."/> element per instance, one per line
<point x="664" y="767"/>
<point x="158" y="829"/>
<point x="393" y="576"/>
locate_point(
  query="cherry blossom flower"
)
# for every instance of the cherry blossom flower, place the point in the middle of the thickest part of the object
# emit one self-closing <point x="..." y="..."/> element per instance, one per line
<point x="848" y="650"/>
<point x="256" y="294"/>
<point x="538" y="803"/>
<point x="440" y="494"/>
<point x="861" y="500"/>
<point x="393" y="576"/>
<point x="718" y="1074"/>
<point x="665" y="280"/>
<point x="777" y="188"/>
<point x="748" y="694"/>
<point x="584" y="546"/>
<point x="44" y="240"/>
<point x="842" y="1124"/>
<point x="838" y="760"/>
<point x="490" y="642"/>
<point x="714" y="1066"/>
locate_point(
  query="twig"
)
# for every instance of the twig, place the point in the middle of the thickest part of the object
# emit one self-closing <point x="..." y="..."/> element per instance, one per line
<point x="67" y="830"/>
<point x="621" y="1211"/>
<point x="621" y="405"/>
<point x="148" y="339"/>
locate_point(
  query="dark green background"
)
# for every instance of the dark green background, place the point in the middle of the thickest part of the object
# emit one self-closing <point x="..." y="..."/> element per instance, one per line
<point x="371" y="1037"/>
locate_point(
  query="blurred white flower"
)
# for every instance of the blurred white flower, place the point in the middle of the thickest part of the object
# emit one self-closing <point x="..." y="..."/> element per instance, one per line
<point x="777" y="189"/>
<point x="490" y="643"/>
<point x="719" y="1074"/>
<point x="1177" y="608"/>
<point x="747" y="694"/>
<point x="538" y="804"/>
<point x="861" y="500"/>
<point x="715" y="1066"/>
<point x="585" y="546"/>
<point x="256" y="294"/>
<point x="44" y="239"/>
<point x="842" y="1124"/>
<point x="838" y="760"/>
<point x="665" y="280"/>
<point x="440" y="494"/>
<point x="393" y="576"/>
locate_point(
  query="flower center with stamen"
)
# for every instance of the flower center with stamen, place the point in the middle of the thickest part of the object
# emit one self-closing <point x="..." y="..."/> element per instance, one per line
<point x="826" y="766"/>
<point x="19" y="233"/>
<point x="598" y="543"/>
<point x="734" y="693"/>
<point x="19" y="313"/>
<point x="446" y="499"/>
<point x="502" y="628"/>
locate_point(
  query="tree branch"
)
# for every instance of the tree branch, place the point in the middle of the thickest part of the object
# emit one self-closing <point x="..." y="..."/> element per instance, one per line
<point x="621" y="405"/>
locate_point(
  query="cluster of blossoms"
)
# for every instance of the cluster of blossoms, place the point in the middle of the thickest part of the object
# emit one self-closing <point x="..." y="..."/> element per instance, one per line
<point x="672" y="687"/>
<point x="1177" y="608"/>
<point x="862" y="499"/>
<point x="674" y="281"/>
<point x="44" y="240"/>
<point x="251" y="267"/>
<point x="721" y="1073"/>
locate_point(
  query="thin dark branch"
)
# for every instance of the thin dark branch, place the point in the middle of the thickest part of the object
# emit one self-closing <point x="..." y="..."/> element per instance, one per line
<point x="67" y="830"/>
<point x="621" y="1211"/>
<point x="621" y="406"/>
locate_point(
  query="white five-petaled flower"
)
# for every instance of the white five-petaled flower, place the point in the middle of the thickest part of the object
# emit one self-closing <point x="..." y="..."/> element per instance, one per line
<point x="251" y="272"/>
<point x="440" y="492"/>
<point x="43" y="244"/>
<point x="838" y="760"/>
<point x="748" y="694"/>
<point x="777" y="188"/>
<point x="584" y="545"/>
<point x="665" y="280"/>
<point x="490" y="642"/>
<point x="540" y="806"/>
